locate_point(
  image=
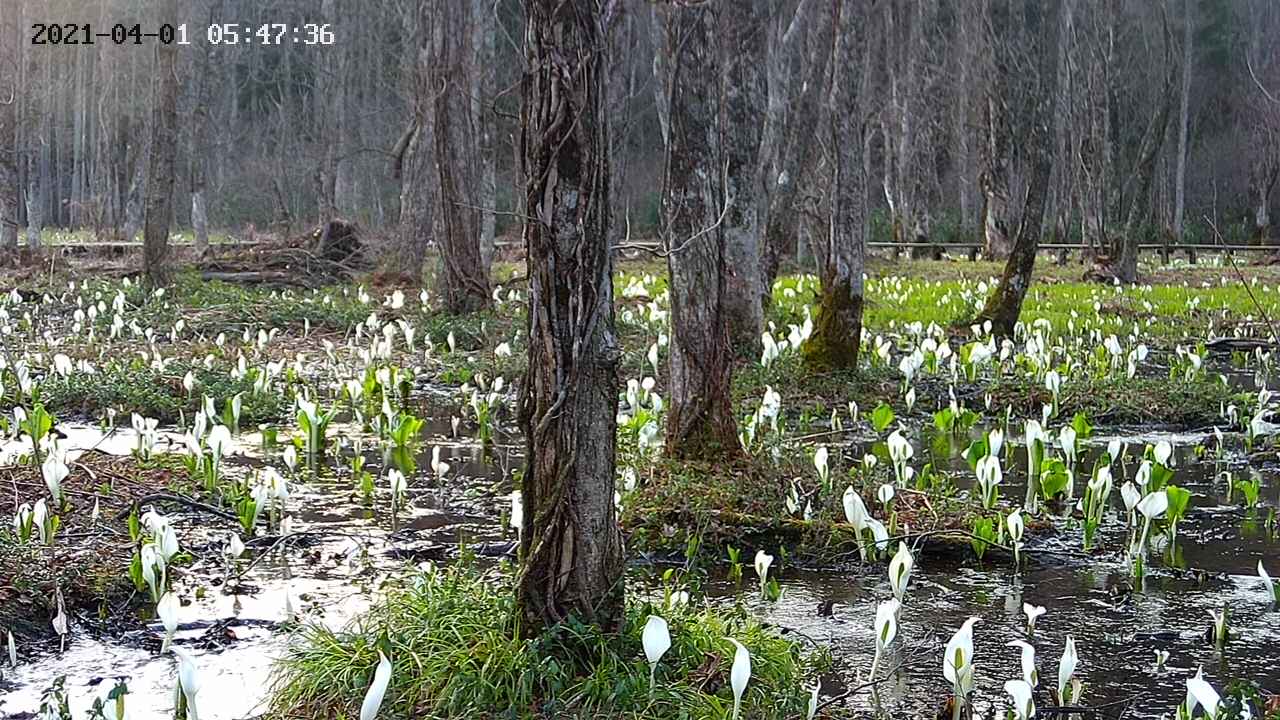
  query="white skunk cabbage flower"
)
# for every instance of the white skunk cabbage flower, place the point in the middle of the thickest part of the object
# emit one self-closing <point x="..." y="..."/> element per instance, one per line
<point x="656" y="639"/>
<point x="377" y="689"/>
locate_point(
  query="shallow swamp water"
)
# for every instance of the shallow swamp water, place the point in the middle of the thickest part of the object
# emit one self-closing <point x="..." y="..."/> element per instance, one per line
<point x="338" y="553"/>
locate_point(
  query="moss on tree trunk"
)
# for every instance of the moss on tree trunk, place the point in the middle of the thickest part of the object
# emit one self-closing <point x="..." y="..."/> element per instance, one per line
<point x="837" y="329"/>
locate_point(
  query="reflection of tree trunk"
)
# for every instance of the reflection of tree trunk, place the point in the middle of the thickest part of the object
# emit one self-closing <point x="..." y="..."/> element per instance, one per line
<point x="700" y="420"/>
<point x="742" y="92"/>
<point x="838" y="324"/>
<point x="464" y="279"/>
<point x="164" y="146"/>
<point x="1004" y="304"/>
<point x="570" y="543"/>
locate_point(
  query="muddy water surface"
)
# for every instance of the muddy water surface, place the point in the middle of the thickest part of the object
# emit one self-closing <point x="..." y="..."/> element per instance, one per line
<point x="342" y="549"/>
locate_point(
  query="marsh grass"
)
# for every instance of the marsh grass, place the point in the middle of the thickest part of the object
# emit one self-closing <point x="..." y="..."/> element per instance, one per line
<point x="451" y="637"/>
<point x="133" y="386"/>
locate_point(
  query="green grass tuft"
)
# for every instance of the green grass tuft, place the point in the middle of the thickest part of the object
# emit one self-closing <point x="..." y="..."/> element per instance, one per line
<point x="454" y="654"/>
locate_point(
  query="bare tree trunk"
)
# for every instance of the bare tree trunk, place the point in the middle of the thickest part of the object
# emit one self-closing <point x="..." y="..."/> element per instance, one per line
<point x="35" y="209"/>
<point x="794" y="138"/>
<point x="1180" y="182"/>
<point x="483" y="49"/>
<point x="571" y="543"/>
<point x="1004" y="304"/>
<point x="413" y="164"/>
<point x="837" y="331"/>
<point x="464" y="277"/>
<point x="164" y="147"/>
<point x="1126" y="266"/>
<point x="9" y="192"/>
<point x="742" y="115"/>
<point x="994" y="178"/>
<point x="700" y="421"/>
<point x="200" y="151"/>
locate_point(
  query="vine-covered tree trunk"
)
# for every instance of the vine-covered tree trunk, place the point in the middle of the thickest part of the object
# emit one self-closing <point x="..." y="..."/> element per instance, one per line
<point x="464" y="276"/>
<point x="837" y="329"/>
<point x="1004" y="304"/>
<point x="742" y="94"/>
<point x="571" y="543"/>
<point x="700" y="420"/>
<point x="164" y="147"/>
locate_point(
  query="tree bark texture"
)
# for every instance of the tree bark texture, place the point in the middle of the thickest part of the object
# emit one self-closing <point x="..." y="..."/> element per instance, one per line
<point x="571" y="543"/>
<point x="413" y="161"/>
<point x="742" y="96"/>
<point x="994" y="177"/>
<point x="164" y="147"/>
<point x="1184" y="121"/>
<point x="464" y="276"/>
<point x="837" y="331"/>
<point x="792" y="130"/>
<point x="700" y="421"/>
<point x="10" y="193"/>
<point x="1144" y="171"/>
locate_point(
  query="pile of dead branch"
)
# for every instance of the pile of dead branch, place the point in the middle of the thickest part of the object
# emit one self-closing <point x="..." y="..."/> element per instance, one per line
<point x="332" y="253"/>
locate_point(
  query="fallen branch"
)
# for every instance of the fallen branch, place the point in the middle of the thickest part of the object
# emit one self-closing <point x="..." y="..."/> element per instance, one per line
<point x="177" y="500"/>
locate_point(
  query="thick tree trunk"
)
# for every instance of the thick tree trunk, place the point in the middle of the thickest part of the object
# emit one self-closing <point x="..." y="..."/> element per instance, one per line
<point x="412" y="163"/>
<point x="164" y="147"/>
<point x="742" y="94"/>
<point x="417" y="216"/>
<point x="837" y="331"/>
<point x="1004" y="304"/>
<point x="700" y="420"/>
<point x="571" y="543"/>
<point x="464" y="277"/>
